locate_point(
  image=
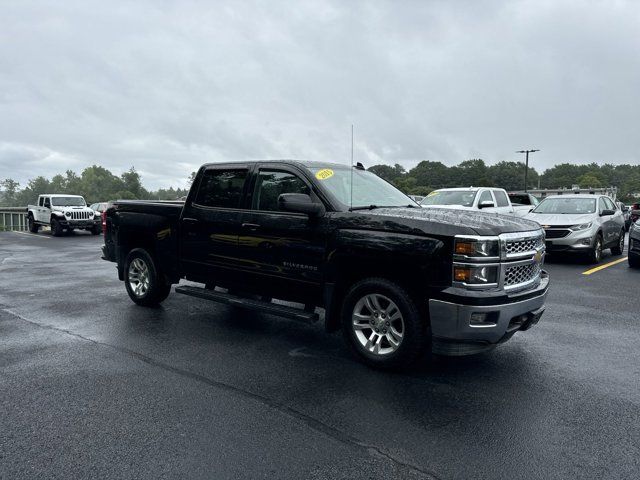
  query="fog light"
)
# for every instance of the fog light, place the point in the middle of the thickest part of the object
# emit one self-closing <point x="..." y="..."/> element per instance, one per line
<point x="586" y="241"/>
<point x="480" y="319"/>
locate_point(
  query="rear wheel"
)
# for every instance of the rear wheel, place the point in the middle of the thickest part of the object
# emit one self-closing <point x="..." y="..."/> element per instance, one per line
<point x="617" y="250"/>
<point x="382" y="324"/>
<point x="145" y="284"/>
<point x="595" y="255"/>
<point x="56" y="228"/>
<point x="33" y="226"/>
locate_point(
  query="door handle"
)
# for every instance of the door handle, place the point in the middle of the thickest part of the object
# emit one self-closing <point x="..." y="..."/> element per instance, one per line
<point x="190" y="220"/>
<point x="250" y="226"/>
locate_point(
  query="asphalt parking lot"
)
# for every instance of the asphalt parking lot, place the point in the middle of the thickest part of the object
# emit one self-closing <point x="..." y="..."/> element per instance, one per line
<point x="92" y="385"/>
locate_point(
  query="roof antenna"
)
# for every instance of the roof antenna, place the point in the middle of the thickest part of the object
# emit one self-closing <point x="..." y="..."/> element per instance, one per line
<point x="351" y="206"/>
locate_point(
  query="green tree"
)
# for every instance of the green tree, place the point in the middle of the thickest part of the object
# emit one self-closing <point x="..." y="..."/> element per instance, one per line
<point x="132" y="183"/>
<point x="589" y="180"/>
<point x="98" y="184"/>
<point x="510" y="176"/>
<point x="431" y="174"/>
<point x="9" y="192"/>
<point x="406" y="184"/>
<point x="387" y="172"/>
<point x="470" y="172"/>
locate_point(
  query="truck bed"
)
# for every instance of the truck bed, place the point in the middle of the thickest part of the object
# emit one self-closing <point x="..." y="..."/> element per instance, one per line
<point x="158" y="207"/>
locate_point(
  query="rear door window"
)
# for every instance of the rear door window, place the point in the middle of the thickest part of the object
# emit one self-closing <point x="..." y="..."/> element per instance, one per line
<point x="221" y="188"/>
<point x="501" y="198"/>
<point x="41" y="201"/>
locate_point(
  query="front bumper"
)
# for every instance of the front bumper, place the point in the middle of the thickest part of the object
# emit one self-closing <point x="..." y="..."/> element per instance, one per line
<point x="454" y="334"/>
<point x="580" y="241"/>
<point x="90" y="223"/>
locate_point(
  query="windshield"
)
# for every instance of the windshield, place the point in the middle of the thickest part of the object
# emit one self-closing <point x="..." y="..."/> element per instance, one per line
<point x="368" y="188"/>
<point x="450" y="197"/>
<point x="68" y="201"/>
<point x="567" y="206"/>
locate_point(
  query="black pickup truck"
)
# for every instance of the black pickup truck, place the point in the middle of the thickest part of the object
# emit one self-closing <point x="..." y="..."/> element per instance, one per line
<point x="397" y="278"/>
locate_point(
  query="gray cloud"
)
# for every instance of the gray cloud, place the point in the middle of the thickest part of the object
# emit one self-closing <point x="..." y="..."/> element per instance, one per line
<point x="166" y="86"/>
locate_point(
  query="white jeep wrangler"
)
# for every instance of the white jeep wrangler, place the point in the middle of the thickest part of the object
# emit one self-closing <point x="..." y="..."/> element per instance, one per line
<point x="60" y="212"/>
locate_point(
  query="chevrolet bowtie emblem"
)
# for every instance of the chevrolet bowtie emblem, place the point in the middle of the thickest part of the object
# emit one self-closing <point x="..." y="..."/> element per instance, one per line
<point x="538" y="256"/>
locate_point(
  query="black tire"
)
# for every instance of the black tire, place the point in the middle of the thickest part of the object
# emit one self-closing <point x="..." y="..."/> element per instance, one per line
<point x="33" y="226"/>
<point x="595" y="254"/>
<point x="618" y="249"/>
<point x="95" y="230"/>
<point x="156" y="288"/>
<point x="56" y="228"/>
<point x="634" y="260"/>
<point x="415" y="335"/>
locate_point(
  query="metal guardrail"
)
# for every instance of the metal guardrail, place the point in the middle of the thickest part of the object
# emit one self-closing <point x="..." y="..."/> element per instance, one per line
<point x="13" y="219"/>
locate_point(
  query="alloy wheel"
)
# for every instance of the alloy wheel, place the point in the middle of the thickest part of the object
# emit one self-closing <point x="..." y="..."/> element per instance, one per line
<point x="377" y="324"/>
<point x="138" y="277"/>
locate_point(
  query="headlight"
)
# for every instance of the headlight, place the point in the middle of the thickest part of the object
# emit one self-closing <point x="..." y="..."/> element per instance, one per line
<point x="476" y="248"/>
<point x="475" y="275"/>
<point x="67" y="214"/>
<point x="584" y="226"/>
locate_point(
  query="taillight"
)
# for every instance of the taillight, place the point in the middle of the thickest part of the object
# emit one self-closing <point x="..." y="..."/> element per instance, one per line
<point x="104" y="222"/>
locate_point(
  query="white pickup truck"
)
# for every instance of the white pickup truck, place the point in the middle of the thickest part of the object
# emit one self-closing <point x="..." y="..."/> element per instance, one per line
<point x="63" y="212"/>
<point x="470" y="198"/>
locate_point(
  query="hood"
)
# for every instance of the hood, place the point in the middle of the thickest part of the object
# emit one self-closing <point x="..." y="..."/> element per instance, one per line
<point x="553" y="219"/>
<point x="55" y="208"/>
<point x="446" y="221"/>
<point x="450" y="207"/>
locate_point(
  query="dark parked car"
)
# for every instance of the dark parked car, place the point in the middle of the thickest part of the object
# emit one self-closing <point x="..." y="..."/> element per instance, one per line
<point x="635" y="212"/>
<point x="398" y="279"/>
<point x="634" y="245"/>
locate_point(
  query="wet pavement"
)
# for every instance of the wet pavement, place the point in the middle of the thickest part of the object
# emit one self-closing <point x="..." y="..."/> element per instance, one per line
<point x="92" y="385"/>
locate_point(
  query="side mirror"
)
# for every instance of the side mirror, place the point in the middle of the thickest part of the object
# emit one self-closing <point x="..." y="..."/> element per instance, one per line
<point x="299" y="203"/>
<point x="486" y="204"/>
<point x="607" y="213"/>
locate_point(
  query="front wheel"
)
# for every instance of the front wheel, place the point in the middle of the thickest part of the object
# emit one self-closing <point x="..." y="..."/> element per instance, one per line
<point x="143" y="281"/>
<point x="383" y="325"/>
<point x="95" y="230"/>
<point x="56" y="228"/>
<point x="634" y="260"/>
<point x="595" y="255"/>
<point x="617" y="250"/>
<point x="33" y="226"/>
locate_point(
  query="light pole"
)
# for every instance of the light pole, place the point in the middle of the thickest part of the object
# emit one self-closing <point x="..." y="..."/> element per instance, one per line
<point x="526" y="168"/>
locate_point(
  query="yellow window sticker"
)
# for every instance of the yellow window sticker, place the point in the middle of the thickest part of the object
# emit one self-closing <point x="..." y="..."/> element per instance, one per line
<point x="324" y="174"/>
<point x="432" y="194"/>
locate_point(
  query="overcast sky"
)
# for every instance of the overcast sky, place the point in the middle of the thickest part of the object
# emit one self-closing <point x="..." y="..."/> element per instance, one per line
<point x="166" y="86"/>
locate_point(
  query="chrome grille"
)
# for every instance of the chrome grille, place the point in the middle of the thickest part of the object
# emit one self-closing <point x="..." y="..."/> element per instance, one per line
<point x="518" y="274"/>
<point x="523" y="246"/>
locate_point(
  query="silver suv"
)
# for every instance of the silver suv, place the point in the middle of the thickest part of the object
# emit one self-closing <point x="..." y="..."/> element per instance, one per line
<point x="581" y="223"/>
